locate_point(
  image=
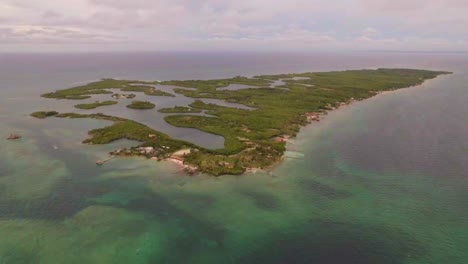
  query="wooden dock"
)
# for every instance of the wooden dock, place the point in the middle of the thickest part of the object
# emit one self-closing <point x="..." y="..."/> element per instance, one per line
<point x="101" y="162"/>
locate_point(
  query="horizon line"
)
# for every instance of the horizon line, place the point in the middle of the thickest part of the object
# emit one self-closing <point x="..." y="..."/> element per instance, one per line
<point x="235" y="51"/>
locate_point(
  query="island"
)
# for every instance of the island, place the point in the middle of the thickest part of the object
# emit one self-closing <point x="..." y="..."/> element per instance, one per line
<point x="44" y="114"/>
<point x="141" y="105"/>
<point x="95" y="104"/>
<point x="103" y="86"/>
<point x="275" y="108"/>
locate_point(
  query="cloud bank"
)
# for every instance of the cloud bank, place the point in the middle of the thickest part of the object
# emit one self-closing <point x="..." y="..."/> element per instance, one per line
<point x="80" y="25"/>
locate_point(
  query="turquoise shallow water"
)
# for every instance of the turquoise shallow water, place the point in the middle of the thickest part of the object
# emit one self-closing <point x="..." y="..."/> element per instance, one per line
<point x="381" y="181"/>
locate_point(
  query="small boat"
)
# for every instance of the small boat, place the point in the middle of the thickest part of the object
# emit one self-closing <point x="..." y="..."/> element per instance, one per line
<point x="100" y="162"/>
<point x="14" y="137"/>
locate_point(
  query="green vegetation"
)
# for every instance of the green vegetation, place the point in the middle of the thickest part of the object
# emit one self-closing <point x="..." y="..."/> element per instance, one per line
<point x="141" y="105"/>
<point x="102" y="87"/>
<point x="179" y="109"/>
<point x="43" y="114"/>
<point x="84" y="92"/>
<point x="95" y="104"/>
<point x="253" y="138"/>
<point x="211" y="85"/>
<point x="148" y="90"/>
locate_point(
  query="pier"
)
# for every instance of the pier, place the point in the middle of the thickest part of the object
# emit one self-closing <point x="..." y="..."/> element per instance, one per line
<point x="101" y="162"/>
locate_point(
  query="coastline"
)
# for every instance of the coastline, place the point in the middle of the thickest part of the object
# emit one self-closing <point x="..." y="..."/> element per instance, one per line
<point x="322" y="115"/>
<point x="254" y="140"/>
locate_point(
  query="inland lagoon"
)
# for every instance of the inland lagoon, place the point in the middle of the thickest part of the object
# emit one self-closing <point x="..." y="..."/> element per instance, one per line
<point x="382" y="180"/>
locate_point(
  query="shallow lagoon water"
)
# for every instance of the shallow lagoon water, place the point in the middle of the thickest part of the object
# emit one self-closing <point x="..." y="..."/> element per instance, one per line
<point x="151" y="117"/>
<point x="380" y="181"/>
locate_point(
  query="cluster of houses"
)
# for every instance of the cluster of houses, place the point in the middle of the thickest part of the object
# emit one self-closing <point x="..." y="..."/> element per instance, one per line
<point x="312" y="117"/>
<point x="147" y="150"/>
<point x="283" y="138"/>
<point x="226" y="164"/>
<point x="150" y="151"/>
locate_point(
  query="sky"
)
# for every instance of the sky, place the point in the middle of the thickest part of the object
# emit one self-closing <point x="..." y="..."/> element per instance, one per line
<point x="224" y="25"/>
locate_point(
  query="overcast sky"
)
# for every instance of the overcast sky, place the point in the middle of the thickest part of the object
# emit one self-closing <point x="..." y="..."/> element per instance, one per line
<point x="81" y="25"/>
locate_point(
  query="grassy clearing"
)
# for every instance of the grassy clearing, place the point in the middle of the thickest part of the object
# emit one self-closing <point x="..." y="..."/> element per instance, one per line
<point x="250" y="135"/>
<point x="141" y="105"/>
<point x="95" y="104"/>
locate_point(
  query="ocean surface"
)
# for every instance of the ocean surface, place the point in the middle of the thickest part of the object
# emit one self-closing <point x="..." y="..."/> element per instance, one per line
<point x="384" y="180"/>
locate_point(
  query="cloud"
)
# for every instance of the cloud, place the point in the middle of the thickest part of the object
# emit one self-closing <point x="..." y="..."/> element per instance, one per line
<point x="241" y="24"/>
<point x="41" y="34"/>
<point x="413" y="6"/>
<point x="369" y="32"/>
<point x="51" y="14"/>
<point x="391" y="6"/>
